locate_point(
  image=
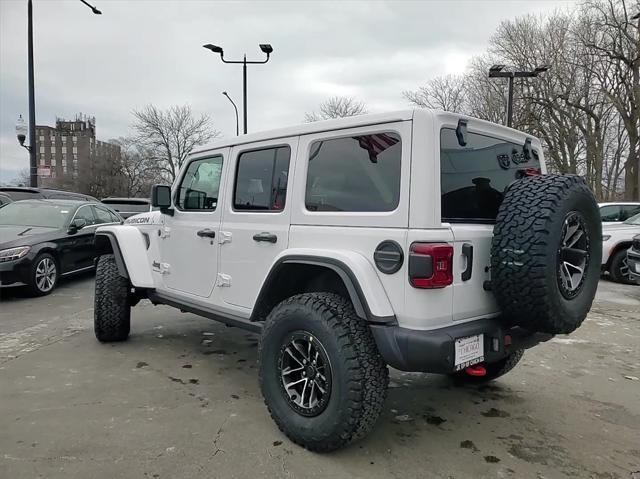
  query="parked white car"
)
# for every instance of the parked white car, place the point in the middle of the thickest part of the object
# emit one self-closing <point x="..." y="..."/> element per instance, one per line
<point x="616" y="240"/>
<point x="618" y="212"/>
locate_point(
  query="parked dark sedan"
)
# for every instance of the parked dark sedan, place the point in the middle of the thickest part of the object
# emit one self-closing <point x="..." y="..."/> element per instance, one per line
<point x="42" y="240"/>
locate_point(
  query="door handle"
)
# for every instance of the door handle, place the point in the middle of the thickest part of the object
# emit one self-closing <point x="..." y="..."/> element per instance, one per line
<point x="266" y="237"/>
<point x="206" y="233"/>
<point x="467" y="251"/>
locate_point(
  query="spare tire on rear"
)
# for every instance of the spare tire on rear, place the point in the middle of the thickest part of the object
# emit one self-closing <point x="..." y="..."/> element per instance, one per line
<point x="546" y="253"/>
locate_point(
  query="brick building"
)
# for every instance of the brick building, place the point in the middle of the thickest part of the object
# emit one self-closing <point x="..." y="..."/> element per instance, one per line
<point x="69" y="156"/>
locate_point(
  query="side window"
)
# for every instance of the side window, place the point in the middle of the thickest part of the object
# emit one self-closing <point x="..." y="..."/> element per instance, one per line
<point x="200" y="185"/>
<point x="261" y="179"/>
<point x="86" y="213"/>
<point x="628" y="211"/>
<point x="102" y="215"/>
<point x="610" y="213"/>
<point x="359" y="173"/>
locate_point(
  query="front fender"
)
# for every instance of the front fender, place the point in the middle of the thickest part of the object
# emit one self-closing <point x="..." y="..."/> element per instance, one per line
<point x="356" y="271"/>
<point x="130" y="249"/>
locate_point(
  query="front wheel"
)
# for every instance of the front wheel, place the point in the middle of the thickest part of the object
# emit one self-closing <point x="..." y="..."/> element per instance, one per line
<point x="619" y="268"/>
<point x="112" y="310"/>
<point x="44" y="275"/>
<point x="321" y="375"/>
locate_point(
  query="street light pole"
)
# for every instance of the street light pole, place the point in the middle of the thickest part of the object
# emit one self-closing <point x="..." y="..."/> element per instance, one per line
<point x="497" y="71"/>
<point x="33" y="164"/>
<point x="236" y="109"/>
<point x="266" y="48"/>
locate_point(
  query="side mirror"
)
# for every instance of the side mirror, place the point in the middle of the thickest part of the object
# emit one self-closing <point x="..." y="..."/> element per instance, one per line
<point x="76" y="225"/>
<point x="161" y="197"/>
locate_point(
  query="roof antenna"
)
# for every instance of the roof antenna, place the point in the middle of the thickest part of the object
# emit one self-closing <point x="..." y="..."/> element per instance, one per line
<point x="461" y="132"/>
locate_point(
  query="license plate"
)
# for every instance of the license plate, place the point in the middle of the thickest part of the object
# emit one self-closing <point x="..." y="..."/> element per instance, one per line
<point x="469" y="351"/>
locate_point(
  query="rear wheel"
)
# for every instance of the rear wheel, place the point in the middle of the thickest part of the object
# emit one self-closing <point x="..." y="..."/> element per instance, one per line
<point x="44" y="275"/>
<point x="321" y="374"/>
<point x="619" y="268"/>
<point x="494" y="370"/>
<point x="112" y="310"/>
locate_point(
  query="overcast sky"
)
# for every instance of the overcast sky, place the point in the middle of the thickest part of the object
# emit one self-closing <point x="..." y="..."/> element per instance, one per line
<point x="150" y="51"/>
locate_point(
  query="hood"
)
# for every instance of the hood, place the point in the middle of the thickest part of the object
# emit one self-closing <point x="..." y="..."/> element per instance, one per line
<point x="12" y="235"/>
<point x="147" y="218"/>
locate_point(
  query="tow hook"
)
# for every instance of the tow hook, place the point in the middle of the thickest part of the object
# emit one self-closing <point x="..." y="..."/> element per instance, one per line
<point x="478" y="370"/>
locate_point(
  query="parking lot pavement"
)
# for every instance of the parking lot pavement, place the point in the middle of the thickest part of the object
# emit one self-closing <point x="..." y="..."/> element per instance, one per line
<point x="181" y="399"/>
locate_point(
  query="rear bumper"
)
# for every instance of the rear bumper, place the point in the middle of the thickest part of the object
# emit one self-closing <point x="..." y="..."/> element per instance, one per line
<point x="434" y="351"/>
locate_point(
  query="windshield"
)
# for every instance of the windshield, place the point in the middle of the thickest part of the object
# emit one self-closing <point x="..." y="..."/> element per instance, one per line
<point x="23" y="213"/>
<point x="634" y="220"/>
<point x="129" y="207"/>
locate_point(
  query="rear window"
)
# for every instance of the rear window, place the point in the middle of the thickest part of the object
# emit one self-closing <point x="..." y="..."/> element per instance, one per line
<point x="129" y="207"/>
<point x="473" y="177"/>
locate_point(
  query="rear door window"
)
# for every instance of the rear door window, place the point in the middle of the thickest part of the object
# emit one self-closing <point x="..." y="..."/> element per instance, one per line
<point x="261" y="179"/>
<point x="628" y="211"/>
<point x="474" y="177"/>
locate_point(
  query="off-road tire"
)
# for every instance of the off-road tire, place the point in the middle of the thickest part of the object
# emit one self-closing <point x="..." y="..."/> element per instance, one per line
<point x="112" y="310"/>
<point x="526" y="247"/>
<point x="494" y="370"/>
<point x="618" y="261"/>
<point x="32" y="287"/>
<point x="359" y="374"/>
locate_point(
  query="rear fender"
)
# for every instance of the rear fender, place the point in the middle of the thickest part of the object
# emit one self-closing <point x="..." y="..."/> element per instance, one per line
<point x="358" y="274"/>
<point x="129" y="247"/>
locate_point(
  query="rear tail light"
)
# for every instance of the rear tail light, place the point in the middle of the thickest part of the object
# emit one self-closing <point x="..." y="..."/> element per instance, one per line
<point x="430" y="265"/>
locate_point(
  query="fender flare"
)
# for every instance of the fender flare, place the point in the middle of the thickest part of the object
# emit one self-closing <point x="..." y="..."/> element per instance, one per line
<point x="382" y="314"/>
<point x="130" y="252"/>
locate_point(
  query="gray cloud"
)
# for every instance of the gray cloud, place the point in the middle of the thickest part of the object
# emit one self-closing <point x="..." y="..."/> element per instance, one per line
<point x="150" y="52"/>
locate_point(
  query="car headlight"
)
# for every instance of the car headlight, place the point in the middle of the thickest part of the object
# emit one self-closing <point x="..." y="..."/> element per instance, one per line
<point x="605" y="237"/>
<point x="13" y="254"/>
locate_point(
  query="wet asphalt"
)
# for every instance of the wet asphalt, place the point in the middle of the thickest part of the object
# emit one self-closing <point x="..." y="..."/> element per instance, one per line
<point x="180" y="399"/>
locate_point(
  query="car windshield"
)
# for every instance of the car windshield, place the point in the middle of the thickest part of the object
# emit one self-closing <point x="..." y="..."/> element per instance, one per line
<point x="634" y="220"/>
<point x="23" y="213"/>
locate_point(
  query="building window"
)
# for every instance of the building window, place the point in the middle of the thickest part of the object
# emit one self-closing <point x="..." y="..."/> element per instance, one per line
<point x="42" y="150"/>
<point x="53" y="162"/>
<point x="75" y="138"/>
<point x="42" y="139"/>
<point x="75" y="150"/>
<point x="64" y="162"/>
<point x="41" y="161"/>
<point x="64" y="140"/>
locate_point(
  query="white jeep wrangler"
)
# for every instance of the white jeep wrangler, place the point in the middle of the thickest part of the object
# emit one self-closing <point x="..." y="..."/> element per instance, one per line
<point x="422" y="240"/>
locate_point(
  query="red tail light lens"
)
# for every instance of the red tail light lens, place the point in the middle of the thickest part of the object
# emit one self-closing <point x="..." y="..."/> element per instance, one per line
<point x="430" y="265"/>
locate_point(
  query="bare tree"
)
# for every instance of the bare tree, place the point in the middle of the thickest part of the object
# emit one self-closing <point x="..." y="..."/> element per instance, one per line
<point x="138" y="167"/>
<point x="170" y="135"/>
<point x="336" y="107"/>
<point x="442" y="93"/>
<point x="615" y="44"/>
